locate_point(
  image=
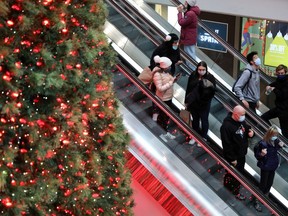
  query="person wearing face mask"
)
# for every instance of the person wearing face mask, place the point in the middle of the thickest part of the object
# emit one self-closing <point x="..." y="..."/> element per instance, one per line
<point x="234" y="135"/>
<point x="169" y="48"/>
<point x="198" y="98"/>
<point x="164" y="82"/>
<point x="268" y="161"/>
<point x="280" y="89"/>
<point x="247" y="88"/>
<point x="188" y="20"/>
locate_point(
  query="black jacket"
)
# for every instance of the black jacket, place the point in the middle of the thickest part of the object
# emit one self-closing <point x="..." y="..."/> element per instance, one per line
<point x="234" y="136"/>
<point x="197" y="96"/>
<point x="281" y="92"/>
<point x="165" y="50"/>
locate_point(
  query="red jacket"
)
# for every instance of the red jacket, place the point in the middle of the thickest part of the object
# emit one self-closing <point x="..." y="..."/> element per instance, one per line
<point x="188" y="22"/>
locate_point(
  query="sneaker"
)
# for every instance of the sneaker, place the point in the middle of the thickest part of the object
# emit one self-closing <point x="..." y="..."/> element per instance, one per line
<point x="163" y="137"/>
<point x="198" y="145"/>
<point x="155" y="116"/>
<point x="257" y="205"/>
<point x="240" y="197"/>
<point x="170" y="136"/>
<point x="192" y="142"/>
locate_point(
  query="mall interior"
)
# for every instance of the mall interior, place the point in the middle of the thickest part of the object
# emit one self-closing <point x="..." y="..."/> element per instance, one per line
<point x="171" y="177"/>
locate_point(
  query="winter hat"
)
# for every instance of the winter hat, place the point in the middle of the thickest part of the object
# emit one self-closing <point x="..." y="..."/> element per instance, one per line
<point x="172" y="37"/>
<point x="163" y="61"/>
<point x="191" y="2"/>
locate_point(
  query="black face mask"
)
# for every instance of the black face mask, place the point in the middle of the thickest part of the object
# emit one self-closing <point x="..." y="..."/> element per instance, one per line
<point x="281" y="77"/>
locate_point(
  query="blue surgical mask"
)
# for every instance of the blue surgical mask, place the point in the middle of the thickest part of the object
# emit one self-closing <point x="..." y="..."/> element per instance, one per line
<point x="273" y="138"/>
<point x="257" y="62"/>
<point x="174" y="47"/>
<point x="281" y="76"/>
<point x="241" y="118"/>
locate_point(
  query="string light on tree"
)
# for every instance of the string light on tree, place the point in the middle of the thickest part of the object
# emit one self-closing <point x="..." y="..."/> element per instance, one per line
<point x="59" y="126"/>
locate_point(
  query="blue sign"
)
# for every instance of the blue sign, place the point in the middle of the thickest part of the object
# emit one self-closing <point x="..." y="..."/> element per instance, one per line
<point x="206" y="41"/>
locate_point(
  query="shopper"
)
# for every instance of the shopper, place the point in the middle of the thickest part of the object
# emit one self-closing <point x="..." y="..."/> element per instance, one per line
<point x="200" y="90"/>
<point x="188" y="20"/>
<point x="164" y="82"/>
<point x="280" y="89"/>
<point x="268" y="161"/>
<point x="234" y="135"/>
<point x="169" y="48"/>
<point x="247" y="87"/>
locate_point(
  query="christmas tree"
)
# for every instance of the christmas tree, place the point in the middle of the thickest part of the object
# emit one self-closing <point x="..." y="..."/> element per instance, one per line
<point x="62" y="141"/>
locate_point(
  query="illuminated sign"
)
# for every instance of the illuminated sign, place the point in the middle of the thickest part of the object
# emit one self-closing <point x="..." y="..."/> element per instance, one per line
<point x="276" y="44"/>
<point x="206" y="41"/>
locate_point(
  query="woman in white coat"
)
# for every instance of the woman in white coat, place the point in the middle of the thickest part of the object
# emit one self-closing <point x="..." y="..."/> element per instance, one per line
<point x="164" y="81"/>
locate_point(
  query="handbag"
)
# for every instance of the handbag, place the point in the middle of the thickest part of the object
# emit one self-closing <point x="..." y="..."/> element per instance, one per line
<point x="207" y="83"/>
<point x="146" y="76"/>
<point x="186" y="116"/>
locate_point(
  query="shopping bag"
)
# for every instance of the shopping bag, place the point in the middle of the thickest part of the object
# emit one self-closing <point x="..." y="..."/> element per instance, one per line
<point x="186" y="116"/>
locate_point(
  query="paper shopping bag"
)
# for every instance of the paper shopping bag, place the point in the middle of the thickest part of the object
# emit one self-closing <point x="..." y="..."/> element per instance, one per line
<point x="186" y="116"/>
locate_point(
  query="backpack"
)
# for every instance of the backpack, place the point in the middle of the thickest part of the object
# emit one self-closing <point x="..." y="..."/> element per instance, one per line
<point x="239" y="78"/>
<point x="258" y="148"/>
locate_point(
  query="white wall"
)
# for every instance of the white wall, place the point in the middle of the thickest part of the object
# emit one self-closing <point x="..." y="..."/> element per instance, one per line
<point x="264" y="9"/>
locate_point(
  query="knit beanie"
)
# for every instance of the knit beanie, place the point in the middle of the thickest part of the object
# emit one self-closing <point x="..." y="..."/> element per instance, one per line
<point x="172" y="37"/>
<point x="163" y="61"/>
<point x="191" y="2"/>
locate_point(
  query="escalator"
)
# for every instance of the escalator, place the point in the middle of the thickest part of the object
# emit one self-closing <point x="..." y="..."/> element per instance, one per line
<point x="218" y="109"/>
<point x="202" y="165"/>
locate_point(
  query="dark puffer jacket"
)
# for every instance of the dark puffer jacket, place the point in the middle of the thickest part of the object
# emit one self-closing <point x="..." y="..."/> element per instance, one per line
<point x="197" y="96"/>
<point x="270" y="161"/>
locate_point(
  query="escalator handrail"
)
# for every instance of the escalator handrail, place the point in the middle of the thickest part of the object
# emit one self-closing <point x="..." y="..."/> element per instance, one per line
<point x="225" y="44"/>
<point x="180" y="123"/>
<point x="135" y="21"/>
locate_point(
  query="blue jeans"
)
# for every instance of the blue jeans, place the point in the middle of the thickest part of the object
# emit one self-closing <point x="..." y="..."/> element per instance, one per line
<point x="191" y="51"/>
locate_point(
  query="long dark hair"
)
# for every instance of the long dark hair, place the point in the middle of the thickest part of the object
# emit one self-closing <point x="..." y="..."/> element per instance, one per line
<point x="203" y="64"/>
<point x="188" y="8"/>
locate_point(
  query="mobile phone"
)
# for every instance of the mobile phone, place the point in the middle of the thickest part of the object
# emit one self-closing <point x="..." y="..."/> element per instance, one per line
<point x="178" y="75"/>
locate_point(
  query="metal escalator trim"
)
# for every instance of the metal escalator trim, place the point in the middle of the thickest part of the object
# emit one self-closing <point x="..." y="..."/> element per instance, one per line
<point x="193" y="193"/>
<point x="253" y="189"/>
<point x="220" y="84"/>
<point x="224" y="43"/>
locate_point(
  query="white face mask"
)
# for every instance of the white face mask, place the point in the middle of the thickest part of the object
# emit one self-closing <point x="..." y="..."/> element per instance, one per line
<point x="202" y="73"/>
<point x="241" y="118"/>
<point x="273" y="138"/>
<point x="257" y="62"/>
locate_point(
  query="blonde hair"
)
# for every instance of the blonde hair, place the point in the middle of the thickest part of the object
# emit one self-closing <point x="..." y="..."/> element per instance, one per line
<point x="272" y="131"/>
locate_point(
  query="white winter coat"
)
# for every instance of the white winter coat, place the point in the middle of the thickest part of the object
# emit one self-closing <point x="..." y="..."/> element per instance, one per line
<point x="164" y="85"/>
